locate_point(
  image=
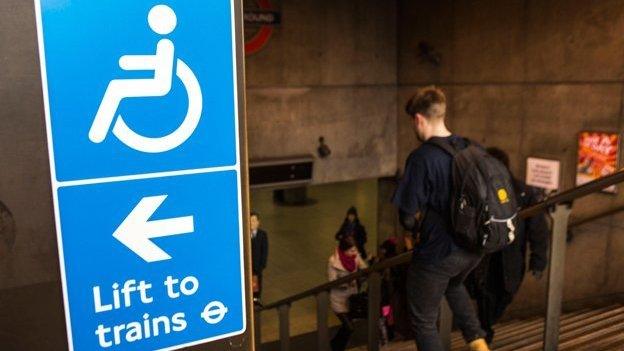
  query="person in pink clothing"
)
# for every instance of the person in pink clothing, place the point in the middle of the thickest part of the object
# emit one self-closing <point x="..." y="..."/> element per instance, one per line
<point x="345" y="260"/>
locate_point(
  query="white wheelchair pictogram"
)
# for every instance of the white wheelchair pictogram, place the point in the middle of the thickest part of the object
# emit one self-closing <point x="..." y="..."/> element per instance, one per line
<point x="162" y="20"/>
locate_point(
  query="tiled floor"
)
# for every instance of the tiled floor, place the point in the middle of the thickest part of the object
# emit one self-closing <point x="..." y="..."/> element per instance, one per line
<point x="301" y="238"/>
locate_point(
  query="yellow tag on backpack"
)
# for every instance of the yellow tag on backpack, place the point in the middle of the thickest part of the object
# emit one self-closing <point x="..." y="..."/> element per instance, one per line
<point x="503" y="197"/>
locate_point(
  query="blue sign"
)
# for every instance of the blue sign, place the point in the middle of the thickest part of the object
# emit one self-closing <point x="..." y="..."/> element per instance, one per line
<point x="110" y="73"/>
<point x="142" y="121"/>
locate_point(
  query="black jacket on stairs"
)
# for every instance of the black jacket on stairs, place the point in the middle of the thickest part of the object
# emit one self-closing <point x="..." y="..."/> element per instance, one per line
<point x="259" y="252"/>
<point x="532" y="232"/>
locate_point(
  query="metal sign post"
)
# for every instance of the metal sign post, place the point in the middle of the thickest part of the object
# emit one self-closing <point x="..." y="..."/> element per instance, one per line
<point x="145" y="119"/>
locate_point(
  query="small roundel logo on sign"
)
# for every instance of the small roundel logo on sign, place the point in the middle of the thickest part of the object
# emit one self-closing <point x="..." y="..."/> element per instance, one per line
<point x="503" y="197"/>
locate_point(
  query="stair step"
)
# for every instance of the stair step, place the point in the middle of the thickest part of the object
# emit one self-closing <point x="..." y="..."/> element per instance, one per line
<point x="618" y="347"/>
<point x="535" y="326"/>
<point x="606" y="342"/>
<point x="593" y="338"/>
<point x="458" y="339"/>
<point x="508" y="324"/>
<point x="535" y="336"/>
<point x="538" y="328"/>
<point x="585" y="330"/>
<point x="572" y="332"/>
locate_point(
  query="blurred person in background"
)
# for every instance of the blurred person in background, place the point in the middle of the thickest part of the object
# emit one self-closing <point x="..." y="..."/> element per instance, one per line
<point x="345" y="260"/>
<point x="351" y="226"/>
<point x="498" y="277"/>
<point x="259" y="254"/>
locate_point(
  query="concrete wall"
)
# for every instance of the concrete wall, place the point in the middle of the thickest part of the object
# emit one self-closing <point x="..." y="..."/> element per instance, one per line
<point x="527" y="76"/>
<point x="24" y="174"/>
<point x="330" y="70"/>
<point x="593" y="269"/>
<point x="30" y="295"/>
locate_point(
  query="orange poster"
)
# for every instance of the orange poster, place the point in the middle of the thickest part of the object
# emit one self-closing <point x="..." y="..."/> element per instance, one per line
<point x="597" y="156"/>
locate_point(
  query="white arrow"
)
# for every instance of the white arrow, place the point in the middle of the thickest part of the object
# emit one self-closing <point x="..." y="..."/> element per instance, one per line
<point x="136" y="230"/>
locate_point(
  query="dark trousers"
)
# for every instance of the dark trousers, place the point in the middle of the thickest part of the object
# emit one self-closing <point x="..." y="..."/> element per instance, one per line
<point x="427" y="284"/>
<point x="341" y="339"/>
<point x="491" y="307"/>
<point x="492" y="298"/>
<point x="258" y="294"/>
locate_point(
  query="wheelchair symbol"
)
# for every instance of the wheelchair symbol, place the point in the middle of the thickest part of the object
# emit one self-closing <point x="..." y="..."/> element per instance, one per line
<point x="162" y="20"/>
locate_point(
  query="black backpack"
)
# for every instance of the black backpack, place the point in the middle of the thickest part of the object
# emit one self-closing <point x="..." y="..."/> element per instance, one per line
<point x="484" y="209"/>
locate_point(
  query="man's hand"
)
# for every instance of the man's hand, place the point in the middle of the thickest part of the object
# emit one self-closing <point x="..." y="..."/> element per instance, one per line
<point x="408" y="241"/>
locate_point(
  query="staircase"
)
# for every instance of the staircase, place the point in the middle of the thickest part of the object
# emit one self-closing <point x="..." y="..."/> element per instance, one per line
<point x="591" y="329"/>
<point x="596" y="329"/>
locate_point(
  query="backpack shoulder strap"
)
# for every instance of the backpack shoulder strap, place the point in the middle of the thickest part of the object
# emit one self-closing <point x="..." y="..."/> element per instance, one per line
<point x="444" y="145"/>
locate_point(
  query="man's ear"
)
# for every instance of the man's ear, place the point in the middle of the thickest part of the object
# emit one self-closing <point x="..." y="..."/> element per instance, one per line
<point x="420" y="118"/>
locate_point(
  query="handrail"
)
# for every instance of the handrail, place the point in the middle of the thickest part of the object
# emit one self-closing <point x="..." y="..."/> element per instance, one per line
<point x="574" y="193"/>
<point x="563" y="197"/>
<point x="377" y="267"/>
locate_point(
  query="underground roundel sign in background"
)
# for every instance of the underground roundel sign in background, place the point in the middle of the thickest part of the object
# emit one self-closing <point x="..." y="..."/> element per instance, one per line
<point x="261" y="18"/>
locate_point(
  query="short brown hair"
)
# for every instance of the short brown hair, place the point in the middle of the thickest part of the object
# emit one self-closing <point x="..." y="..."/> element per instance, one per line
<point x="428" y="101"/>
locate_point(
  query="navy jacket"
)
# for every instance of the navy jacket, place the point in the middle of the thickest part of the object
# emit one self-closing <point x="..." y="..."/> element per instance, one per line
<point x="533" y="232"/>
<point x="426" y="187"/>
